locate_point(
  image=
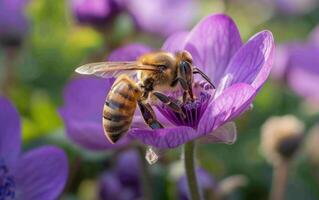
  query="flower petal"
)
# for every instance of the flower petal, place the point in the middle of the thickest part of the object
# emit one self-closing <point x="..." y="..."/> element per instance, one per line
<point x="10" y="135"/>
<point x="97" y="12"/>
<point x="129" y="176"/>
<point x="212" y="43"/>
<point x="91" y="136"/>
<point x="230" y="104"/>
<point x="227" y="134"/>
<point x="162" y="17"/>
<point x="170" y="137"/>
<point x="129" y="52"/>
<point x="82" y="112"/>
<point x="110" y="186"/>
<point x="175" y="42"/>
<point x="253" y="62"/>
<point x="305" y="83"/>
<point x="41" y="174"/>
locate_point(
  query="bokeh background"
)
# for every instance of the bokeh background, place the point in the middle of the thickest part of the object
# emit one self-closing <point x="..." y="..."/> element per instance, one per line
<point x="43" y="41"/>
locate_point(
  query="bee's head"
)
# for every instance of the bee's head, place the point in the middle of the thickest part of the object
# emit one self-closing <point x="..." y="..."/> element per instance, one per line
<point x="164" y="61"/>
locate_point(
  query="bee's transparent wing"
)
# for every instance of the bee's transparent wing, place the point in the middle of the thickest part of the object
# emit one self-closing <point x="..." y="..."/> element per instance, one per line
<point x="113" y="69"/>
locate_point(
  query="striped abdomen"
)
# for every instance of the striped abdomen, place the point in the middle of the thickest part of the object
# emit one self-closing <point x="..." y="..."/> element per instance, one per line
<point x="119" y="108"/>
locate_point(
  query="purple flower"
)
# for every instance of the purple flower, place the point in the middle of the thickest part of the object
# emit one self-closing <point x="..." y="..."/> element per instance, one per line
<point x="205" y="181"/>
<point x="95" y="12"/>
<point x="147" y="15"/>
<point x="38" y="174"/>
<point x="13" y="22"/>
<point x="295" y="7"/>
<point x="156" y="16"/>
<point x="238" y="71"/>
<point x="83" y="105"/>
<point x="297" y="63"/>
<point x="122" y="182"/>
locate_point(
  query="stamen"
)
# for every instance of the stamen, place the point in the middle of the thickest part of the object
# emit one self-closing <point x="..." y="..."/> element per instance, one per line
<point x="192" y="109"/>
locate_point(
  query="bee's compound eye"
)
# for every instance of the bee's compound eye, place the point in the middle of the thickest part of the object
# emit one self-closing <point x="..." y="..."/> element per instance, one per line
<point x="162" y="67"/>
<point x="184" y="67"/>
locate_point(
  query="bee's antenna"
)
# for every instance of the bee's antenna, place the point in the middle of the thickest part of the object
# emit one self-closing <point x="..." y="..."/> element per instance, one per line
<point x="198" y="71"/>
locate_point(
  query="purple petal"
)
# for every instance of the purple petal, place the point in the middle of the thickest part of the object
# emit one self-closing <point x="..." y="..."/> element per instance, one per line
<point x="10" y="131"/>
<point x="128" y="176"/>
<point x="41" y="174"/>
<point x="175" y="42"/>
<point x="305" y="83"/>
<point x="230" y="104"/>
<point x="13" y="23"/>
<point x="162" y="17"/>
<point x="227" y="134"/>
<point x="110" y="187"/>
<point x="253" y="62"/>
<point x="281" y="62"/>
<point x="129" y="52"/>
<point x="93" y="11"/>
<point x="170" y="137"/>
<point x="314" y="36"/>
<point x="295" y="7"/>
<point x="82" y="112"/>
<point x="212" y="43"/>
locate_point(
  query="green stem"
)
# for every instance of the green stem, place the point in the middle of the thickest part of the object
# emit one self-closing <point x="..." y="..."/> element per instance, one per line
<point x="189" y="162"/>
<point x="145" y="175"/>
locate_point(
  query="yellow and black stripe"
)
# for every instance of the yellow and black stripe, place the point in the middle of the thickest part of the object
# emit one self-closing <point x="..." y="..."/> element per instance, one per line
<point x="119" y="107"/>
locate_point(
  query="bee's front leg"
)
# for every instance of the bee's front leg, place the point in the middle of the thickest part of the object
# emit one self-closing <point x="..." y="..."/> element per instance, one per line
<point x="149" y="115"/>
<point x="168" y="101"/>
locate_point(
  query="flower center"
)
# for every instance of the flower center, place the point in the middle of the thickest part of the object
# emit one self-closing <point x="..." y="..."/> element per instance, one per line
<point x="7" y="184"/>
<point x="193" y="110"/>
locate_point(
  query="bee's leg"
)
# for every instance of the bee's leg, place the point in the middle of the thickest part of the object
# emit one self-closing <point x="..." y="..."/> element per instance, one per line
<point x="187" y="90"/>
<point x="167" y="101"/>
<point x="185" y="93"/>
<point x="149" y="115"/>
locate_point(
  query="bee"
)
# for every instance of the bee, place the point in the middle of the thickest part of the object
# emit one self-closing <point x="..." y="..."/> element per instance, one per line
<point x="140" y="82"/>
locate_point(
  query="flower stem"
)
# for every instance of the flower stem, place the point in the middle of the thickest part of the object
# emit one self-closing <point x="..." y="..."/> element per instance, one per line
<point x="145" y="176"/>
<point x="189" y="162"/>
<point x="10" y="54"/>
<point x="279" y="181"/>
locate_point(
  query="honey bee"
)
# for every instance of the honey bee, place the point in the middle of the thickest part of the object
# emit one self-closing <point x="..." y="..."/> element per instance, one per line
<point x="139" y="82"/>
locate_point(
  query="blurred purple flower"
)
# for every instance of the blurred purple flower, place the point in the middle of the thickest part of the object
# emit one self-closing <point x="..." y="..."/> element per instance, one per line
<point x="156" y="16"/>
<point x="295" y="7"/>
<point x="238" y="71"/>
<point x="123" y="182"/>
<point x="206" y="183"/>
<point x="147" y="15"/>
<point x="13" y="22"/>
<point x="297" y="64"/>
<point x="95" y="12"/>
<point x="39" y="174"/>
<point x="83" y="105"/>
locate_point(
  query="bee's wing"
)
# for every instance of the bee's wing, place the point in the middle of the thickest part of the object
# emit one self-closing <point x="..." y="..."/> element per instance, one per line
<point x="113" y="69"/>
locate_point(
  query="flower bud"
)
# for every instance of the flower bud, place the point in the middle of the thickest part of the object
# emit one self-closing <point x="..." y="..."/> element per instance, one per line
<point x="281" y="137"/>
<point x="311" y="147"/>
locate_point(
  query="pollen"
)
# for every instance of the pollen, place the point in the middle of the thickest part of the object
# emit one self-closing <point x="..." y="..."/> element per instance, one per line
<point x="193" y="110"/>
